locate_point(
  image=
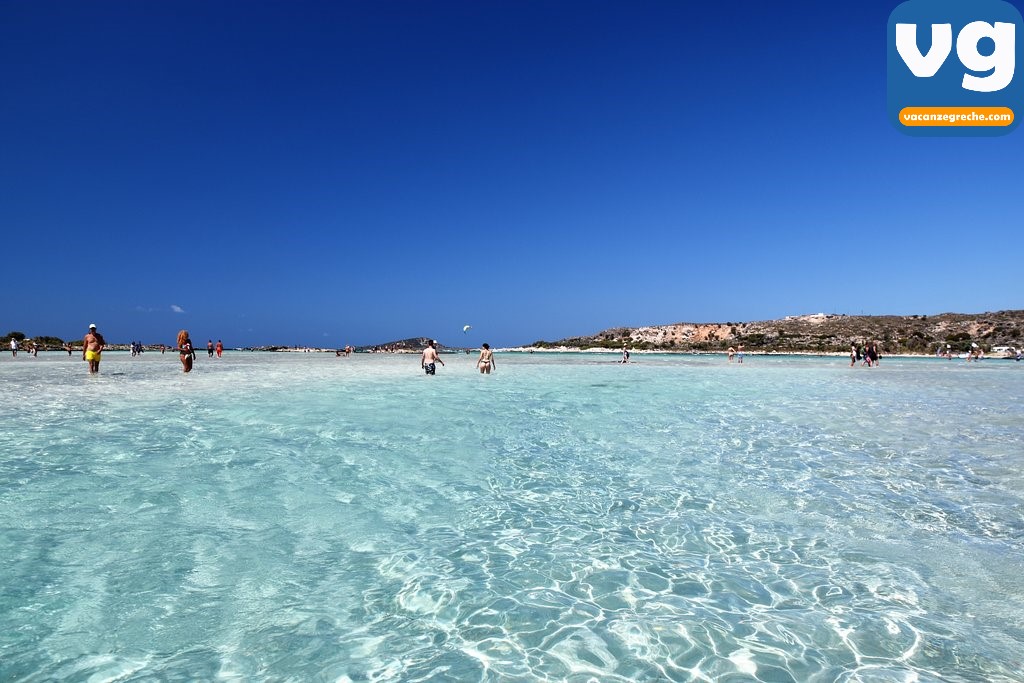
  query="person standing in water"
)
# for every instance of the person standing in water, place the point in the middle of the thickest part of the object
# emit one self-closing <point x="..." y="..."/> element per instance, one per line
<point x="92" y="347"/>
<point x="486" y="361"/>
<point x="186" y="352"/>
<point x="430" y="357"/>
<point x="220" y="348"/>
<point x="872" y="352"/>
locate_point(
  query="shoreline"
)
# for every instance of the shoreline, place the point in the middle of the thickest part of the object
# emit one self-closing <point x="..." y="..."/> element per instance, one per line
<point x="119" y="348"/>
<point x="638" y="352"/>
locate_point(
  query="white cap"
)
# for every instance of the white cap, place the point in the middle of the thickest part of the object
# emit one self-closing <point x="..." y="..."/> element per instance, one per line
<point x="92" y="326"/>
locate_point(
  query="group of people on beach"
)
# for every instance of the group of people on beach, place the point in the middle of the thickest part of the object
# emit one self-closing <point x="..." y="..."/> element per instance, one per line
<point x="93" y="345"/>
<point x="430" y="358"/>
<point x="976" y="353"/>
<point x="212" y="348"/>
<point x="33" y="348"/>
<point x="868" y="356"/>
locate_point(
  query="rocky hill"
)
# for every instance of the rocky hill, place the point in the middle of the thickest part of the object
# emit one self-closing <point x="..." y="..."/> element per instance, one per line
<point x="820" y="333"/>
<point x="414" y="345"/>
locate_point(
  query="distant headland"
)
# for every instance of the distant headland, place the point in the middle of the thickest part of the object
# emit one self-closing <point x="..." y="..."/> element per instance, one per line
<point x="817" y="333"/>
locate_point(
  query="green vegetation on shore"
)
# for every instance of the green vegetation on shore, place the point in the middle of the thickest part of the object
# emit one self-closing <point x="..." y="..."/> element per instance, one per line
<point x="44" y="343"/>
<point x="818" y="333"/>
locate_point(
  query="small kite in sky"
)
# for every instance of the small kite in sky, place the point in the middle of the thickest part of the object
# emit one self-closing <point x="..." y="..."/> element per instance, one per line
<point x="466" y="328"/>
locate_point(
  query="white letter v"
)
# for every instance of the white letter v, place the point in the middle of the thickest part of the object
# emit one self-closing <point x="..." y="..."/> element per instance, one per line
<point x="924" y="66"/>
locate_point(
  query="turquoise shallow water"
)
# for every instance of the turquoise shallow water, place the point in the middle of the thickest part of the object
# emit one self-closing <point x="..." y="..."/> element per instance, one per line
<point x="302" y="517"/>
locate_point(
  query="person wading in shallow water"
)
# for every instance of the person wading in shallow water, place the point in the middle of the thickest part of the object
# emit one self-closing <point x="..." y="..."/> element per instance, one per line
<point x="486" y="360"/>
<point x="92" y="347"/>
<point x="186" y="352"/>
<point x="430" y="357"/>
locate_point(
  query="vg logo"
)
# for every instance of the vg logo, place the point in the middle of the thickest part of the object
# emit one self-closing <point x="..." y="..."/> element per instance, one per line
<point x="952" y="67"/>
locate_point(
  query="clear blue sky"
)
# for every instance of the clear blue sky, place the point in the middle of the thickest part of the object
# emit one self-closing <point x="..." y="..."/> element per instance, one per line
<point x="327" y="173"/>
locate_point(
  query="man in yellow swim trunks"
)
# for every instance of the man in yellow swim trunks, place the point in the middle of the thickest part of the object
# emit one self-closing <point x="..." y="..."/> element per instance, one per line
<point x="92" y="347"/>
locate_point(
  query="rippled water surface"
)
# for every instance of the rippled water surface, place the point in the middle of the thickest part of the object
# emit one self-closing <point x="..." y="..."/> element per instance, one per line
<point x="305" y="517"/>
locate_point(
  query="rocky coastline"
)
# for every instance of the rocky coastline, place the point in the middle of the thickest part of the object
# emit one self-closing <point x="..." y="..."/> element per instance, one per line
<point x="818" y="334"/>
